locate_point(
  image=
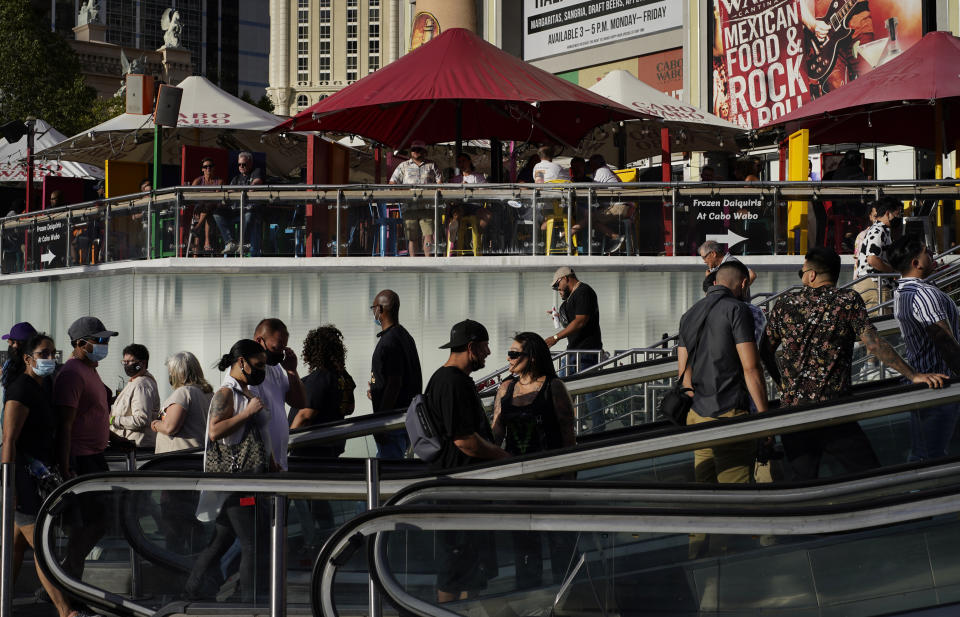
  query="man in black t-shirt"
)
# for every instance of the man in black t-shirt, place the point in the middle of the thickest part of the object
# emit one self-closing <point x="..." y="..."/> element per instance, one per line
<point x="580" y="317"/>
<point x="395" y="376"/>
<point x="455" y="407"/>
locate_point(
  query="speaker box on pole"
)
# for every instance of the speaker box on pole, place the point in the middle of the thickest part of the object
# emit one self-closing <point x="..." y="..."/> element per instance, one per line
<point x="168" y="105"/>
<point x="139" y="94"/>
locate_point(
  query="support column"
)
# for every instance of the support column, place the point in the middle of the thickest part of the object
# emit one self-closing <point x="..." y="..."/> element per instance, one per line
<point x="280" y="51"/>
<point x="666" y="157"/>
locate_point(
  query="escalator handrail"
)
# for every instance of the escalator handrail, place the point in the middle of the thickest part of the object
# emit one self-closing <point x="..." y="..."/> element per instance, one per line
<point x="604" y="452"/>
<point x="782" y="520"/>
<point x="652" y="492"/>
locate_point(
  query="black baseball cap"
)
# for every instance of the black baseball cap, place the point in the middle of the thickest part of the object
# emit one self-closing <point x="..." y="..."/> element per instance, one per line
<point x="88" y="327"/>
<point x="467" y="331"/>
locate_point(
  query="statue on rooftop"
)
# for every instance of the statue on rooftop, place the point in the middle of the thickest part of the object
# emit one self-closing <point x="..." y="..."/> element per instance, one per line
<point x="172" y="28"/>
<point x="89" y="12"/>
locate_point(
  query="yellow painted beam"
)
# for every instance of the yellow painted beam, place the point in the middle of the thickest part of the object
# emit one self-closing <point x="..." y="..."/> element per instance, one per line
<point x="798" y="169"/>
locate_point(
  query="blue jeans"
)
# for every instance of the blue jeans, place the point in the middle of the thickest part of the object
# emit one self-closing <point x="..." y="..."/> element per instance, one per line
<point x="226" y="218"/>
<point x="931" y="430"/>
<point x="571" y="365"/>
<point x="392" y="444"/>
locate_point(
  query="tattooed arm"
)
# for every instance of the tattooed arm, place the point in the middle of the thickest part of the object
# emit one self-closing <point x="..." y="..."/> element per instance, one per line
<point x="223" y="421"/>
<point x="889" y="356"/>
<point x="942" y="336"/>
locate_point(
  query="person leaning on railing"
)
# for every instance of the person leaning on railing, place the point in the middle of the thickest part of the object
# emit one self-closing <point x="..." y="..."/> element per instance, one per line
<point x="814" y="331"/>
<point x="872" y="254"/>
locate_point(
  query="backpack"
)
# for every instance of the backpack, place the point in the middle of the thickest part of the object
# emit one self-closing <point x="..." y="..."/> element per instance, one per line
<point x="424" y="436"/>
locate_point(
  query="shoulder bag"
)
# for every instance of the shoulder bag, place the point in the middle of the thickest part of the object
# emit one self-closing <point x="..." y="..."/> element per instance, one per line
<point x="247" y="456"/>
<point x="676" y="403"/>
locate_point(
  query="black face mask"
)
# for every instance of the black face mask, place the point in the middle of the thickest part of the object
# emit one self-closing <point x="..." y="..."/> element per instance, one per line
<point x="131" y="369"/>
<point x="255" y="377"/>
<point x="274" y="357"/>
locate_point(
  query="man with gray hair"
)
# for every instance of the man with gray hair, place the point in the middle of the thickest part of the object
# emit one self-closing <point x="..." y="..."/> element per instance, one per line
<point x="226" y="218"/>
<point x="712" y="255"/>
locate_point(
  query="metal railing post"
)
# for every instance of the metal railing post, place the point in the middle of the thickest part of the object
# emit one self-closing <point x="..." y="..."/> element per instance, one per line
<point x="243" y="215"/>
<point x="534" y="237"/>
<point x="68" y="259"/>
<point x="571" y="196"/>
<point x="176" y="223"/>
<point x="436" y="226"/>
<point x="673" y="221"/>
<point x="106" y="234"/>
<point x="278" y="557"/>
<point x="373" y="502"/>
<point x="6" y="546"/>
<point x="589" y="222"/>
<point x="340" y="203"/>
<point x="135" y="571"/>
<point x="149" y="227"/>
<point x="776" y="219"/>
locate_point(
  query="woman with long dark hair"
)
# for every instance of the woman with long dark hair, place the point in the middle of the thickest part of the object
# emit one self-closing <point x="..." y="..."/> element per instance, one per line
<point x="236" y="419"/>
<point x="29" y="436"/>
<point x="532" y="413"/>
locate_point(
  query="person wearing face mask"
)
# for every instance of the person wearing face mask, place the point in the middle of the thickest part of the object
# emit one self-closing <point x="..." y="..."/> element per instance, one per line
<point x="30" y="425"/>
<point x="807" y="348"/>
<point x="395" y="376"/>
<point x="138" y="403"/>
<point x="83" y="408"/>
<point x="233" y="406"/>
<point x="279" y="385"/>
<point x="872" y="253"/>
<point x="12" y="368"/>
<point x="466" y="561"/>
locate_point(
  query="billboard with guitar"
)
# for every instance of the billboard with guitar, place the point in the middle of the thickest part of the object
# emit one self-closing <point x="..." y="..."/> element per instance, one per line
<point x="769" y="57"/>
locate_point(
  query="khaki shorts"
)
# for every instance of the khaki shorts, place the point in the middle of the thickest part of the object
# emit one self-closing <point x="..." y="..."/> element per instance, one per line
<point x="418" y="227"/>
<point x="618" y="209"/>
<point x="867" y="288"/>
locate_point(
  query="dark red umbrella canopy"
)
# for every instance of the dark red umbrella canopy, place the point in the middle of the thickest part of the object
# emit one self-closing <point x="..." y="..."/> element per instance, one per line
<point x="893" y="103"/>
<point x="499" y="97"/>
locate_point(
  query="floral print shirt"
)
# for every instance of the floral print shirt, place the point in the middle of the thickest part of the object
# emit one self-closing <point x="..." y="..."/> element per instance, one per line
<point x="815" y="330"/>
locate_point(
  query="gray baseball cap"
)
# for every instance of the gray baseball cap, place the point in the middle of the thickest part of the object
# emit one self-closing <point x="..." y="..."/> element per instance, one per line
<point x="88" y="327"/>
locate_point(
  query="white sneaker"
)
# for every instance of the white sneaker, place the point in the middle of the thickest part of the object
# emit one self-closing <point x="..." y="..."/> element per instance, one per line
<point x="231" y="247"/>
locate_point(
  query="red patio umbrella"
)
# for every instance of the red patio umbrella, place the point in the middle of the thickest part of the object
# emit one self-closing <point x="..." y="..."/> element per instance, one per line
<point x="912" y="100"/>
<point x="459" y="81"/>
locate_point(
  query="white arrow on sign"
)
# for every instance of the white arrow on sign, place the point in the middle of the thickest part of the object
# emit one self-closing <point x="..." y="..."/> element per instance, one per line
<point x="728" y="238"/>
<point x="47" y="257"/>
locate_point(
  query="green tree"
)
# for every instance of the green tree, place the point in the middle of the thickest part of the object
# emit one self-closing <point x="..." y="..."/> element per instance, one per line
<point x="264" y="103"/>
<point x="40" y="73"/>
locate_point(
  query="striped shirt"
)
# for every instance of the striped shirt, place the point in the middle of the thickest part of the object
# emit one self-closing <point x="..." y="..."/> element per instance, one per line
<point x="917" y="305"/>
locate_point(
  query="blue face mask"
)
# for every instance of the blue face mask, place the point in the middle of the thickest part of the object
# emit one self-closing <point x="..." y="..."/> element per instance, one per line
<point x="99" y="352"/>
<point x="44" y="367"/>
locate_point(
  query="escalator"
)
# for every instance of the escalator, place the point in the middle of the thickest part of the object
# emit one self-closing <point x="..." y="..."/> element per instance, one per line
<point x="151" y="511"/>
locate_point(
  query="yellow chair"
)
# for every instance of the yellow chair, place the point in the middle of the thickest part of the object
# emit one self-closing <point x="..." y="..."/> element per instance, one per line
<point x="558" y="215"/>
<point x="473" y="224"/>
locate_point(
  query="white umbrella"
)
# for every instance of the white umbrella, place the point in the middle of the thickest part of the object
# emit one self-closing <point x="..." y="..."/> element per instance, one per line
<point x="13" y="158"/>
<point x="691" y="128"/>
<point x="209" y="117"/>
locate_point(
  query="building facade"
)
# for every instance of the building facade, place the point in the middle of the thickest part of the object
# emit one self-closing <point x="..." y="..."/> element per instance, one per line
<point x="228" y="40"/>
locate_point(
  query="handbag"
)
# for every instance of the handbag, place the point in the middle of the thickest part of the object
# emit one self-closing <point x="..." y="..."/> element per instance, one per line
<point x="676" y="404"/>
<point x="247" y="456"/>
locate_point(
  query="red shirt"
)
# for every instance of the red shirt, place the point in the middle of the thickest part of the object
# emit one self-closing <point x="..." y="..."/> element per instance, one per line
<point x="78" y="385"/>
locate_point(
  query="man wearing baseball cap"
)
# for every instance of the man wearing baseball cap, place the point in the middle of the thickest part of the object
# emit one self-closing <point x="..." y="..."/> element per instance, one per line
<point x="580" y="317"/>
<point x="456" y="410"/>
<point x="418" y="221"/>
<point x="83" y="408"/>
<point x="19" y="334"/>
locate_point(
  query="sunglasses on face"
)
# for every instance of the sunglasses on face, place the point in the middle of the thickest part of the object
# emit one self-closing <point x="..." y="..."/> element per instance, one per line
<point x="243" y="164"/>
<point x="513" y="355"/>
<point x="100" y="340"/>
<point x="207" y="167"/>
<point x="801" y="271"/>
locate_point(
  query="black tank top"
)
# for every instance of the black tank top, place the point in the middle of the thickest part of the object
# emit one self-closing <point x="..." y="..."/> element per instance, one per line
<point x="533" y="427"/>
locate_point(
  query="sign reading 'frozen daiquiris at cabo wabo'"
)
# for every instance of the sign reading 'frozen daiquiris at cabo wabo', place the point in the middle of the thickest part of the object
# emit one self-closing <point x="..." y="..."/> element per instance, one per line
<point x="554" y="27"/>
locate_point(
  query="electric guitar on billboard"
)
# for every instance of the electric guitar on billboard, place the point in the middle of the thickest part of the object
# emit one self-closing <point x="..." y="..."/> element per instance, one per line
<point x="821" y="55"/>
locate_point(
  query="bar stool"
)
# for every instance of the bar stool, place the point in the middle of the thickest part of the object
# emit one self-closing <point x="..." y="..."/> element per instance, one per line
<point x="473" y="224"/>
<point x="388" y="224"/>
<point x="558" y="215"/>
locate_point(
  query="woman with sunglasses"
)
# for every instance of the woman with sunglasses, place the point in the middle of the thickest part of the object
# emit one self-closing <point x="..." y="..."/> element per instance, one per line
<point x="29" y="438"/>
<point x="202" y="211"/>
<point x="533" y="412"/>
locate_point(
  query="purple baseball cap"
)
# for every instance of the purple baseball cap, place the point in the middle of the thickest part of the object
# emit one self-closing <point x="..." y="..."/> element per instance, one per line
<point x="20" y="332"/>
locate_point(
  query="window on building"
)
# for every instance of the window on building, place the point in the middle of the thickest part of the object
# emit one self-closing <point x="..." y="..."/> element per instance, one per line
<point x="351" y="48"/>
<point x="324" y="48"/>
<point x="303" y="63"/>
<point x="324" y="63"/>
<point x="324" y="16"/>
<point x="324" y="4"/>
<point x="351" y="63"/>
<point x="352" y="3"/>
<point x="373" y="31"/>
<point x="324" y="32"/>
<point x="373" y="48"/>
<point x="373" y="63"/>
<point x="351" y="31"/>
<point x="302" y="101"/>
<point x="351" y="76"/>
<point x="303" y="4"/>
<point x="303" y="16"/>
<point x="351" y="15"/>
